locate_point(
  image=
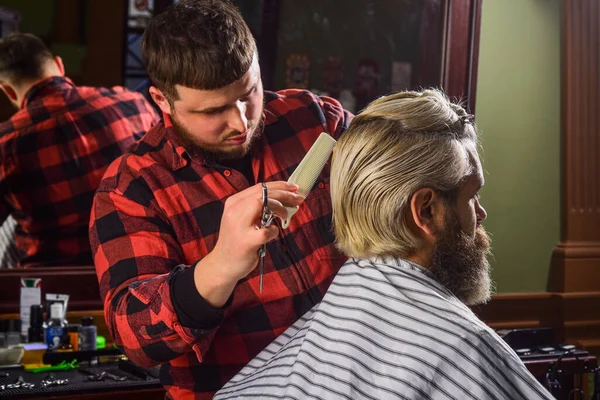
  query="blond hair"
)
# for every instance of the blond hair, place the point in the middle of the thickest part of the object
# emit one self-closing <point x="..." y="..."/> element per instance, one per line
<point x="397" y="145"/>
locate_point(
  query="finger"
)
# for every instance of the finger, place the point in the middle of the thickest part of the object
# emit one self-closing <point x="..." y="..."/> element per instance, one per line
<point x="260" y="236"/>
<point x="249" y="213"/>
<point x="288" y="198"/>
<point x="266" y="235"/>
<point x="277" y="208"/>
<point x="257" y="191"/>
<point x="281" y="185"/>
<point x="272" y="233"/>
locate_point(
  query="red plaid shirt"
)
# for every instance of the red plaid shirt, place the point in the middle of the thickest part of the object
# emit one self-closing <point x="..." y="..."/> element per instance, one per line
<point x="53" y="153"/>
<point x="158" y="211"/>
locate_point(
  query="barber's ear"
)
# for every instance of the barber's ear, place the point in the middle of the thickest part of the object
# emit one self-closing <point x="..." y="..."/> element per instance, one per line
<point x="160" y="99"/>
<point x="9" y="90"/>
<point x="60" y="65"/>
<point x="427" y="211"/>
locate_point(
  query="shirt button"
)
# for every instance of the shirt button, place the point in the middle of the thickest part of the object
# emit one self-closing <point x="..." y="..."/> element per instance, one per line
<point x="227" y="172"/>
<point x="321" y="185"/>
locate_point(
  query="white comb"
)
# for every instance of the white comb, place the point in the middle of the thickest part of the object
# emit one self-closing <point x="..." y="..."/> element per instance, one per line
<point x="309" y="169"/>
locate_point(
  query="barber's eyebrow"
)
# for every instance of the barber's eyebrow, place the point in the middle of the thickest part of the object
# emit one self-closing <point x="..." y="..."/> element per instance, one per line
<point x="217" y="109"/>
<point x="211" y="110"/>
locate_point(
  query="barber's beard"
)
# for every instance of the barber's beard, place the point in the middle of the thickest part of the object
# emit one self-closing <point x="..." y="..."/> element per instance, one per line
<point x="212" y="153"/>
<point x="460" y="263"/>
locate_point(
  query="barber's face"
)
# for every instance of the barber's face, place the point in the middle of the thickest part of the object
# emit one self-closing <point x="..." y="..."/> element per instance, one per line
<point x="222" y="122"/>
<point x="460" y="255"/>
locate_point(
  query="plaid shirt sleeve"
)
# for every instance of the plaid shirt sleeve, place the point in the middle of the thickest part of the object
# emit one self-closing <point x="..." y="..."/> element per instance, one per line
<point x="137" y="263"/>
<point x="337" y="118"/>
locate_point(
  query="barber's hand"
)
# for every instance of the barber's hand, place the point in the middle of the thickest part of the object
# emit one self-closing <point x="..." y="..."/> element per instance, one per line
<point x="236" y="252"/>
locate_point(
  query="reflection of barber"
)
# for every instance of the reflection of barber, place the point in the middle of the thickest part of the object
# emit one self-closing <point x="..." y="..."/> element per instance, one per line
<point x="173" y="226"/>
<point x="55" y="149"/>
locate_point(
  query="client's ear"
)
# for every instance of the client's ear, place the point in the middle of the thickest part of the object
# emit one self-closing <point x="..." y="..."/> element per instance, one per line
<point x="427" y="210"/>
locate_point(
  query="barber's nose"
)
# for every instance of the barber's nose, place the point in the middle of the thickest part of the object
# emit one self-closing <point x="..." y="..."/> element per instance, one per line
<point x="237" y="117"/>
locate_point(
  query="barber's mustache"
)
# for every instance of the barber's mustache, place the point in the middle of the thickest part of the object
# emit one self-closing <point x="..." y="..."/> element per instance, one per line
<point x="233" y="134"/>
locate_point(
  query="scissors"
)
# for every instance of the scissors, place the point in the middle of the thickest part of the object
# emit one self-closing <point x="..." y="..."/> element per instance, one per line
<point x="265" y="220"/>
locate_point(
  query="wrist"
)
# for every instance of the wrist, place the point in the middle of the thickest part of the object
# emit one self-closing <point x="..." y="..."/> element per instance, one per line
<point x="193" y="311"/>
<point x="212" y="284"/>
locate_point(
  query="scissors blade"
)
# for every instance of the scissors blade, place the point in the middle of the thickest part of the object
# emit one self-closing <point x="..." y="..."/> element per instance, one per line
<point x="262" y="267"/>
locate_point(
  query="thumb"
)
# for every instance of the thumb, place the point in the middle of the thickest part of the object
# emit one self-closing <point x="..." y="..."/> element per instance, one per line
<point x="272" y="233"/>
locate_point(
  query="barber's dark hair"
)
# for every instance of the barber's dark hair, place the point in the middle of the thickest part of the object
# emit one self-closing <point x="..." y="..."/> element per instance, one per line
<point x="200" y="44"/>
<point x="22" y="58"/>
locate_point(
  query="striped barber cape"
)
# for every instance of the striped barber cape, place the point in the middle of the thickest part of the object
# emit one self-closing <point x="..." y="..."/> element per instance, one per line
<point x="386" y="330"/>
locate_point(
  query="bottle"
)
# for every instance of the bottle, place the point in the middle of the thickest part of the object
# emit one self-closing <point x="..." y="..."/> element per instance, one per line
<point x="87" y="334"/>
<point x="35" y="333"/>
<point x="65" y="344"/>
<point x="13" y="332"/>
<point x="73" y="330"/>
<point x="55" y="327"/>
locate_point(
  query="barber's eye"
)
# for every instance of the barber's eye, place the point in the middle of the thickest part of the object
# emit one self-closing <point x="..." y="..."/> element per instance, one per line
<point x="246" y="98"/>
<point x="215" y="111"/>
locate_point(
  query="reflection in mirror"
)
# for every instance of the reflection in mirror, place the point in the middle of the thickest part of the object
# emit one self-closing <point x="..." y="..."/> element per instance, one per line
<point x="357" y="50"/>
<point x="363" y="48"/>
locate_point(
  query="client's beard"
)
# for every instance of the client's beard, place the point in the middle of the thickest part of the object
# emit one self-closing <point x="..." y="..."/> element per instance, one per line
<point x="460" y="263"/>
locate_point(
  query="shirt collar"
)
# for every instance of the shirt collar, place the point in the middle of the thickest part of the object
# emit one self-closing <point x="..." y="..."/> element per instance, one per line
<point x="46" y="86"/>
<point x="181" y="157"/>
